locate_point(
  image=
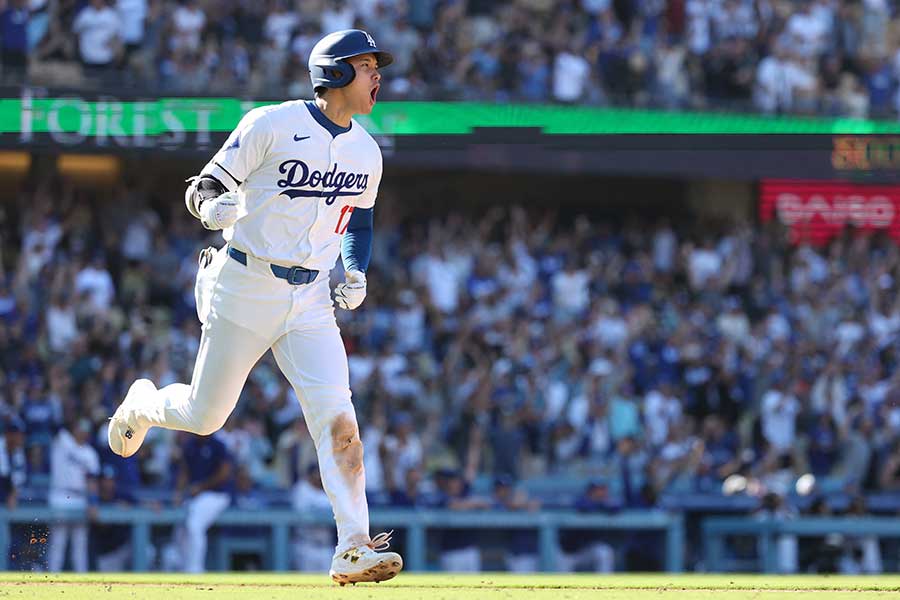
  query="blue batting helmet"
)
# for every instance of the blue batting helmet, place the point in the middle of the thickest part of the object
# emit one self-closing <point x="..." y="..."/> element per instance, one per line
<point x="327" y="61"/>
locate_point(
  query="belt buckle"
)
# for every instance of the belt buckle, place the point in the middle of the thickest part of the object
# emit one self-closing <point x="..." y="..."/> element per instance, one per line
<point x="297" y="276"/>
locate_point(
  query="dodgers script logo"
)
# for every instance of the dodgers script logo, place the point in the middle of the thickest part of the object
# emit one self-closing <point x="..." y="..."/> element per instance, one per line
<point x="334" y="183"/>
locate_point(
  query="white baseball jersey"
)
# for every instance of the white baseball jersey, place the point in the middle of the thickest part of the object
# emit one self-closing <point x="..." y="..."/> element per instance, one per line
<point x="71" y="464"/>
<point x="298" y="178"/>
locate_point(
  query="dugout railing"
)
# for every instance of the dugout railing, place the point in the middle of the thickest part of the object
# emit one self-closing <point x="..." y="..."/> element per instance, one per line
<point x="766" y="530"/>
<point x="415" y="523"/>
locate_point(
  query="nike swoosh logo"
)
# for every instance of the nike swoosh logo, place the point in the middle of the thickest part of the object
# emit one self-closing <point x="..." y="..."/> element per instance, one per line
<point x="297" y="138"/>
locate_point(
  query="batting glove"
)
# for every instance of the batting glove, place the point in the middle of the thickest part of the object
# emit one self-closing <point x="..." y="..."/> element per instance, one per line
<point x="220" y="212"/>
<point x="352" y="292"/>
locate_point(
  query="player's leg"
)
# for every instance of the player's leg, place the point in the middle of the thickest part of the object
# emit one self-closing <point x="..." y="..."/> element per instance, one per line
<point x="78" y="549"/>
<point x="602" y="557"/>
<point x="116" y="561"/>
<point x="522" y="563"/>
<point x="311" y="558"/>
<point x="469" y="560"/>
<point x="227" y="353"/>
<point x="202" y="512"/>
<point x="315" y="362"/>
<point x="316" y="365"/>
<point x="56" y="554"/>
<point x="225" y="358"/>
<point x="243" y="311"/>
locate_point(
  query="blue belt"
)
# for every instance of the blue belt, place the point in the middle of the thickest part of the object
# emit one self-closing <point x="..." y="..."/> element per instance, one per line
<point x="293" y="275"/>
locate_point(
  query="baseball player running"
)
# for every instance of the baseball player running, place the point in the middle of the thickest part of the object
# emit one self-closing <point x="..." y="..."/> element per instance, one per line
<point x="294" y="184"/>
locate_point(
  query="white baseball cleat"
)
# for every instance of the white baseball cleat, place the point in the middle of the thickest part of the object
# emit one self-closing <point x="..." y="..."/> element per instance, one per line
<point x="366" y="562"/>
<point x="126" y="433"/>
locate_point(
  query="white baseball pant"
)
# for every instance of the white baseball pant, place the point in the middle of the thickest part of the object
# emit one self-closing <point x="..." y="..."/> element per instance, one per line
<point x="522" y="563"/>
<point x="464" y="560"/>
<point x="598" y="558"/>
<point x="117" y="561"/>
<point x="202" y="511"/>
<point x="245" y="310"/>
<point x="311" y="557"/>
<point x="62" y="534"/>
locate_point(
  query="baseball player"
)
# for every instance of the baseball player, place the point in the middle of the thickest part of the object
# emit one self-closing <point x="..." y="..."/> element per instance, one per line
<point x="207" y="475"/>
<point x="293" y="185"/>
<point x="74" y="467"/>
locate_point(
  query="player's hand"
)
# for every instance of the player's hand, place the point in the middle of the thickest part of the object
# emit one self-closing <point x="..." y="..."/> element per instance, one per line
<point x="220" y="212"/>
<point x="352" y="292"/>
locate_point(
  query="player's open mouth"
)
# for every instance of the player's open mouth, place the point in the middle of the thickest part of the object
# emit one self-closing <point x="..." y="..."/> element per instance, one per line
<point x="374" y="92"/>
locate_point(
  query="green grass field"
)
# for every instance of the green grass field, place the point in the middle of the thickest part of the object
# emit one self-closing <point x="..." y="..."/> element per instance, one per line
<point x="265" y="586"/>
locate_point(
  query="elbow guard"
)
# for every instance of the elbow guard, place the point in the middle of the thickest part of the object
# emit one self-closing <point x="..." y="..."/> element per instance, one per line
<point x="201" y="189"/>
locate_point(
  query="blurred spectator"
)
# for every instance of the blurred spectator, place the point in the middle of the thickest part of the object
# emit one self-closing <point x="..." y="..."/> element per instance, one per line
<point x="409" y="495"/>
<point x="13" y="463"/>
<point x="521" y="545"/>
<point x="247" y="444"/>
<point x="661" y="356"/>
<point x="571" y="72"/>
<point x="99" y="37"/>
<point x="132" y="16"/>
<point x="294" y="452"/>
<point x="95" y="283"/>
<point x="313" y="544"/>
<point x="74" y="467"/>
<point x="862" y="554"/>
<point x="720" y="458"/>
<point x="585" y="549"/>
<point x="280" y="23"/>
<point x="832" y="57"/>
<point x="188" y="22"/>
<point x="338" y="15"/>
<point x="62" y="326"/>
<point x="774" y="507"/>
<point x="661" y="410"/>
<point x="248" y="497"/>
<point x="889" y="478"/>
<point x="14" y="40"/>
<point x="678" y="464"/>
<point x="830" y="394"/>
<point x="459" y="551"/>
<point x="247" y="494"/>
<point x="643" y="549"/>
<point x="779" y="416"/>
<point x="820" y="554"/>
<point x="824" y="445"/>
<point x="401" y="449"/>
<point x="112" y="541"/>
<point x="205" y="482"/>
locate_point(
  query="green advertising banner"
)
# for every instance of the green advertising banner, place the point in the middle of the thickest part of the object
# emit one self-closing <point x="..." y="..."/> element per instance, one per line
<point x="481" y="136"/>
<point x="70" y="120"/>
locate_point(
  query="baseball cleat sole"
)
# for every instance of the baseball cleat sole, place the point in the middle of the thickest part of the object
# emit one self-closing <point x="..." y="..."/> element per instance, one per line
<point x="385" y="569"/>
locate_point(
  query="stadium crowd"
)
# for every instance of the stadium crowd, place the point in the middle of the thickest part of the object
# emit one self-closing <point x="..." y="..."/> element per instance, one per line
<point x="639" y="359"/>
<point x="833" y="57"/>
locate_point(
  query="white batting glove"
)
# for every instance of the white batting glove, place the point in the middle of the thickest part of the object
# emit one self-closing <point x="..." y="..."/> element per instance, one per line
<point x="220" y="212"/>
<point x="352" y="292"/>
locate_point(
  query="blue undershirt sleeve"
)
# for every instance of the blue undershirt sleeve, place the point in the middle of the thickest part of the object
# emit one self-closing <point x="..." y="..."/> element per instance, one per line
<point x="356" y="245"/>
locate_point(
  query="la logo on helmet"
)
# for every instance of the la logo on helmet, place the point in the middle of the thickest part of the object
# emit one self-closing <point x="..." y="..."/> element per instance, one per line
<point x="370" y="40"/>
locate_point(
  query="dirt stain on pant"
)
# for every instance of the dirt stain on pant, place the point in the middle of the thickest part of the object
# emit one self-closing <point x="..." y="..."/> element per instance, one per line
<point x="347" y="447"/>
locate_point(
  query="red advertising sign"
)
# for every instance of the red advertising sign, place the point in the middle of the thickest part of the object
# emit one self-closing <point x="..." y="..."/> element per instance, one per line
<point x="816" y="211"/>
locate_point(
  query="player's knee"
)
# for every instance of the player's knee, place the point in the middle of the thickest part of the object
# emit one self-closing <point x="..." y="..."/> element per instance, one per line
<point x="346" y="445"/>
<point x="207" y="422"/>
<point x="353" y="458"/>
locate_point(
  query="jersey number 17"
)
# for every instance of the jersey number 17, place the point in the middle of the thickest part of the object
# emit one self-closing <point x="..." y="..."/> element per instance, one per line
<point x="345" y="212"/>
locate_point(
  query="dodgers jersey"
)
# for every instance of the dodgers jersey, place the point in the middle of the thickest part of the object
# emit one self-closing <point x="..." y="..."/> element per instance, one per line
<point x="298" y="178"/>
